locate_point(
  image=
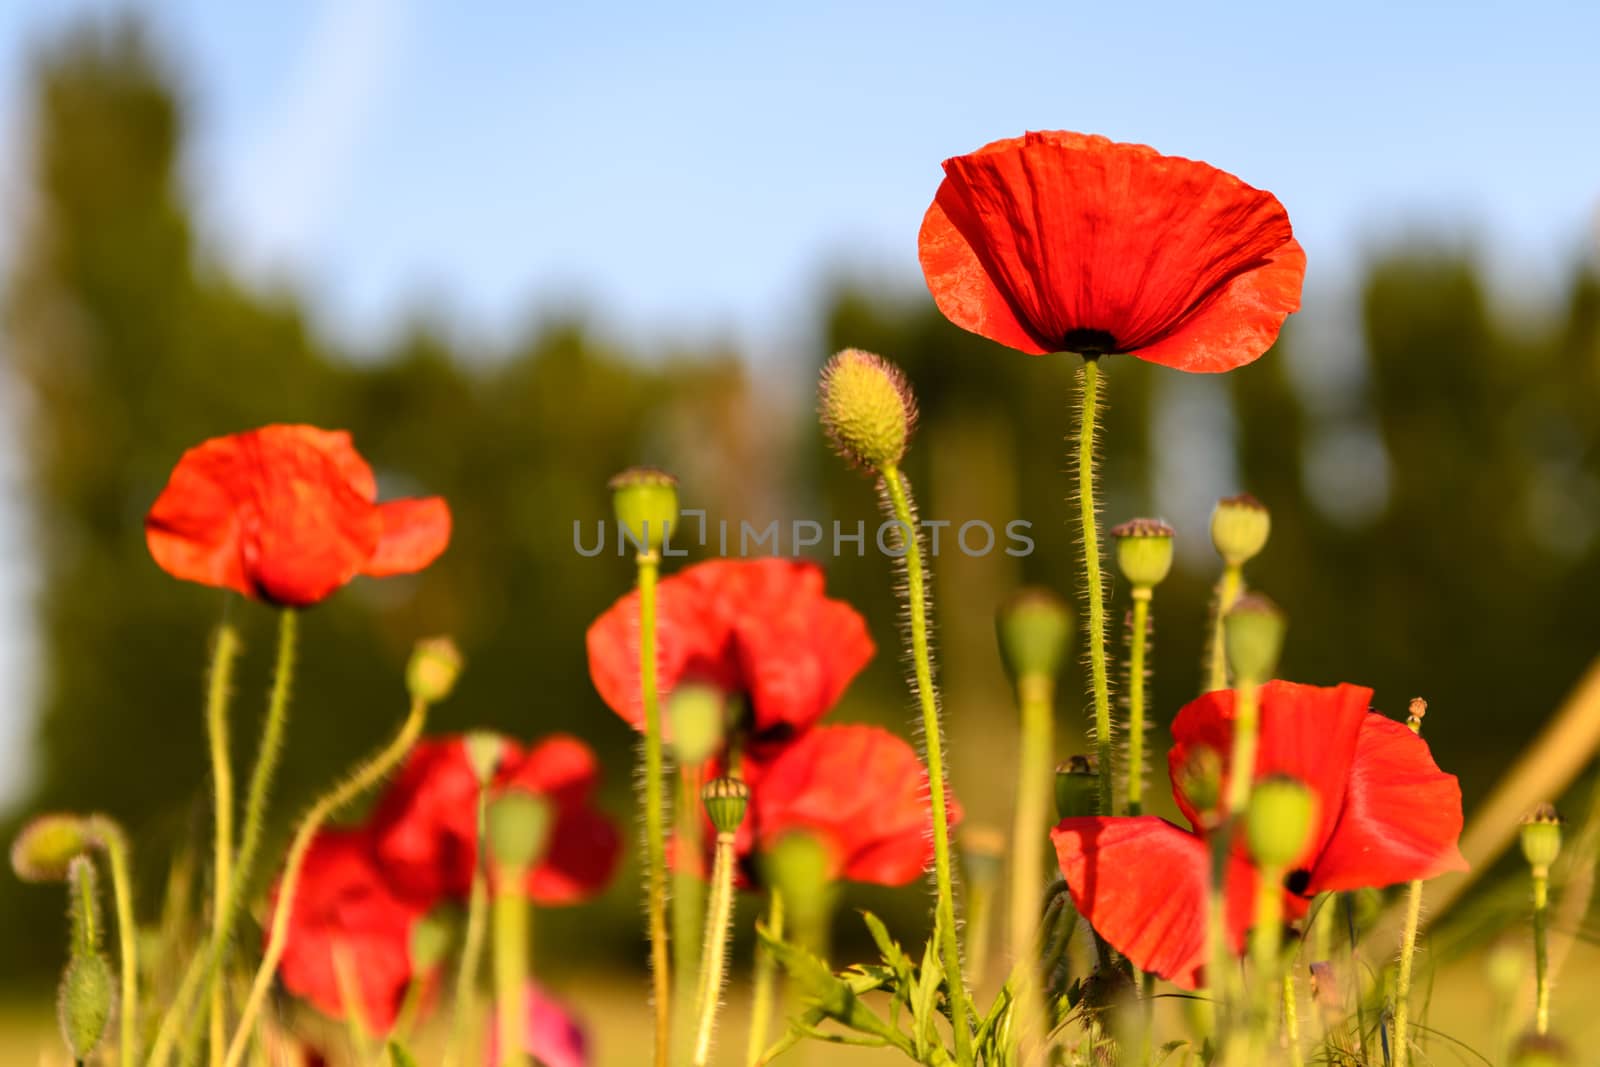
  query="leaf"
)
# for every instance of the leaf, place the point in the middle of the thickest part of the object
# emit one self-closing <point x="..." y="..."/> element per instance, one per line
<point x="831" y="995"/>
<point x="399" y="1057"/>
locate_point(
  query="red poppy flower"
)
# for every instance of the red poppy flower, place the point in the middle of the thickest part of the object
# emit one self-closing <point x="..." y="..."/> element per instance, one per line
<point x="1386" y="814"/>
<point x="425" y="824"/>
<point x="287" y="514"/>
<point x="347" y="918"/>
<point x="758" y="628"/>
<point x="1065" y="242"/>
<point x="551" y="1034"/>
<point x="859" y="790"/>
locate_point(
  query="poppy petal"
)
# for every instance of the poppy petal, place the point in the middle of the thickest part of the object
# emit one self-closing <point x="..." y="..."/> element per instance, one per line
<point x="340" y="449"/>
<point x="414" y="534"/>
<point x="1306" y="732"/>
<point x="961" y="285"/>
<point x="1401" y="819"/>
<point x="193" y="528"/>
<point x="1143" y="885"/>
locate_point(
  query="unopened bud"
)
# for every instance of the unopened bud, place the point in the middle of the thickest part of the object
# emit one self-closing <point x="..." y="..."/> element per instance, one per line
<point x="725" y="800"/>
<point x="1541" y="838"/>
<point x="1282" y="811"/>
<point x="432" y="937"/>
<point x="1144" y="552"/>
<point x="518" y="828"/>
<point x="867" y="409"/>
<point x="1252" y="634"/>
<point x="1200" y="782"/>
<point x="983" y="851"/>
<point x="435" y="665"/>
<point x="47" y="845"/>
<point x="695" y="718"/>
<point x="84" y="1003"/>
<point x="1077" y="789"/>
<point x="646" y="503"/>
<point x="1035" y="630"/>
<point x="1239" y="528"/>
<point x="485" y="752"/>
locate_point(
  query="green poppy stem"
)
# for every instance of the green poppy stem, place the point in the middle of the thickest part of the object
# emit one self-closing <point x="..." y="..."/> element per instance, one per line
<point x="1136" y="685"/>
<point x="1541" y="950"/>
<point x="224" y="652"/>
<point x="511" y="925"/>
<point x="1035" y="775"/>
<point x="364" y="777"/>
<point x="714" y="960"/>
<point x="110" y="837"/>
<point x="917" y="604"/>
<point x="1229" y="586"/>
<point x="1291" y="1020"/>
<point x="1095" y="625"/>
<point x="765" y="976"/>
<point x="654" y="819"/>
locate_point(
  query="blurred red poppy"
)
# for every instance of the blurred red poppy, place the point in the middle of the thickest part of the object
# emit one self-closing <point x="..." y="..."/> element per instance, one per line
<point x="287" y="514"/>
<point x="760" y="629"/>
<point x="347" y="919"/>
<point x="1066" y="242"/>
<point x="1387" y="814"/>
<point x="859" y="790"/>
<point x="425" y="824"/>
<point x="551" y="1034"/>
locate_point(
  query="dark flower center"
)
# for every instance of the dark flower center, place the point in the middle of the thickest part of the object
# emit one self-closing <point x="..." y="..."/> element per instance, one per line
<point x="1089" y="342"/>
<point x="1297" y="882"/>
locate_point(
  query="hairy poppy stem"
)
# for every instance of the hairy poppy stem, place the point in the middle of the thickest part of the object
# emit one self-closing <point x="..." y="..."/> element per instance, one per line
<point x="255" y="810"/>
<point x="511" y="911"/>
<point x="1095" y="625"/>
<point x="688" y="909"/>
<point x="224" y="652"/>
<point x="1267" y="944"/>
<point x="1035" y="775"/>
<point x="472" y="945"/>
<point x="1408" y="947"/>
<point x="1291" y="1020"/>
<point x="916" y="601"/>
<point x="654" y="831"/>
<point x="364" y="777"/>
<point x="714" y="961"/>
<point x="1229" y="586"/>
<point x="110" y="837"/>
<point x="1541" y="951"/>
<point x="765" y="976"/>
<point x="1136" y="684"/>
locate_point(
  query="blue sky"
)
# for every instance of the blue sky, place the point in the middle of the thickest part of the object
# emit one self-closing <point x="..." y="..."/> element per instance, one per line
<point x="689" y="169"/>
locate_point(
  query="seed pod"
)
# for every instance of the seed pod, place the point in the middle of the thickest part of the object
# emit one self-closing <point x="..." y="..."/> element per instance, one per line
<point x="725" y="800"/>
<point x="1239" y="528"/>
<point x="1144" y="551"/>
<point x="1541" y="837"/>
<point x="1034" y="628"/>
<point x="1252" y="633"/>
<point x="646" y="504"/>
<point x="1282" y="811"/>
<point x="1077" y="789"/>
<point x="695" y="721"/>
<point x="518" y="828"/>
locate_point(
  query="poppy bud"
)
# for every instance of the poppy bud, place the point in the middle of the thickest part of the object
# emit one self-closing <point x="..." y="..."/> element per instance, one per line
<point x="1252" y="633"/>
<point x="867" y="408"/>
<point x="47" y="845"/>
<point x="1541" y="838"/>
<point x="646" y="503"/>
<point x="695" y="714"/>
<point x="983" y="850"/>
<point x="1239" y="528"/>
<point x="1035" y="629"/>
<point x="1540" y="1050"/>
<point x="725" y="800"/>
<point x="84" y="1005"/>
<point x="1144" y="552"/>
<point x="518" y="827"/>
<point x="1200" y="782"/>
<point x="434" y="667"/>
<point x="432" y="937"/>
<point x="1281" y="813"/>
<point x="485" y="750"/>
<point x="1077" y="789"/>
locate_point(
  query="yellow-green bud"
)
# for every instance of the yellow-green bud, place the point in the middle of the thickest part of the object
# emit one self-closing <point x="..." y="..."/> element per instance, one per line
<point x="1540" y="1050"/>
<point x="695" y="721"/>
<point x="725" y="800"/>
<point x="84" y="1003"/>
<point x="485" y="750"/>
<point x="47" y="845"/>
<point x="432" y="937"/>
<point x="1252" y="634"/>
<point x="1239" y="528"/>
<point x="983" y="850"/>
<point x="434" y="667"/>
<point x="1035" y="631"/>
<point x="1144" y="551"/>
<point x="646" y="503"/>
<point x="800" y="867"/>
<point x="867" y="409"/>
<point x="1200" y="782"/>
<point x="1282" y="811"/>
<point x="1077" y="789"/>
<point x="518" y="827"/>
<point x="1541" y="838"/>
